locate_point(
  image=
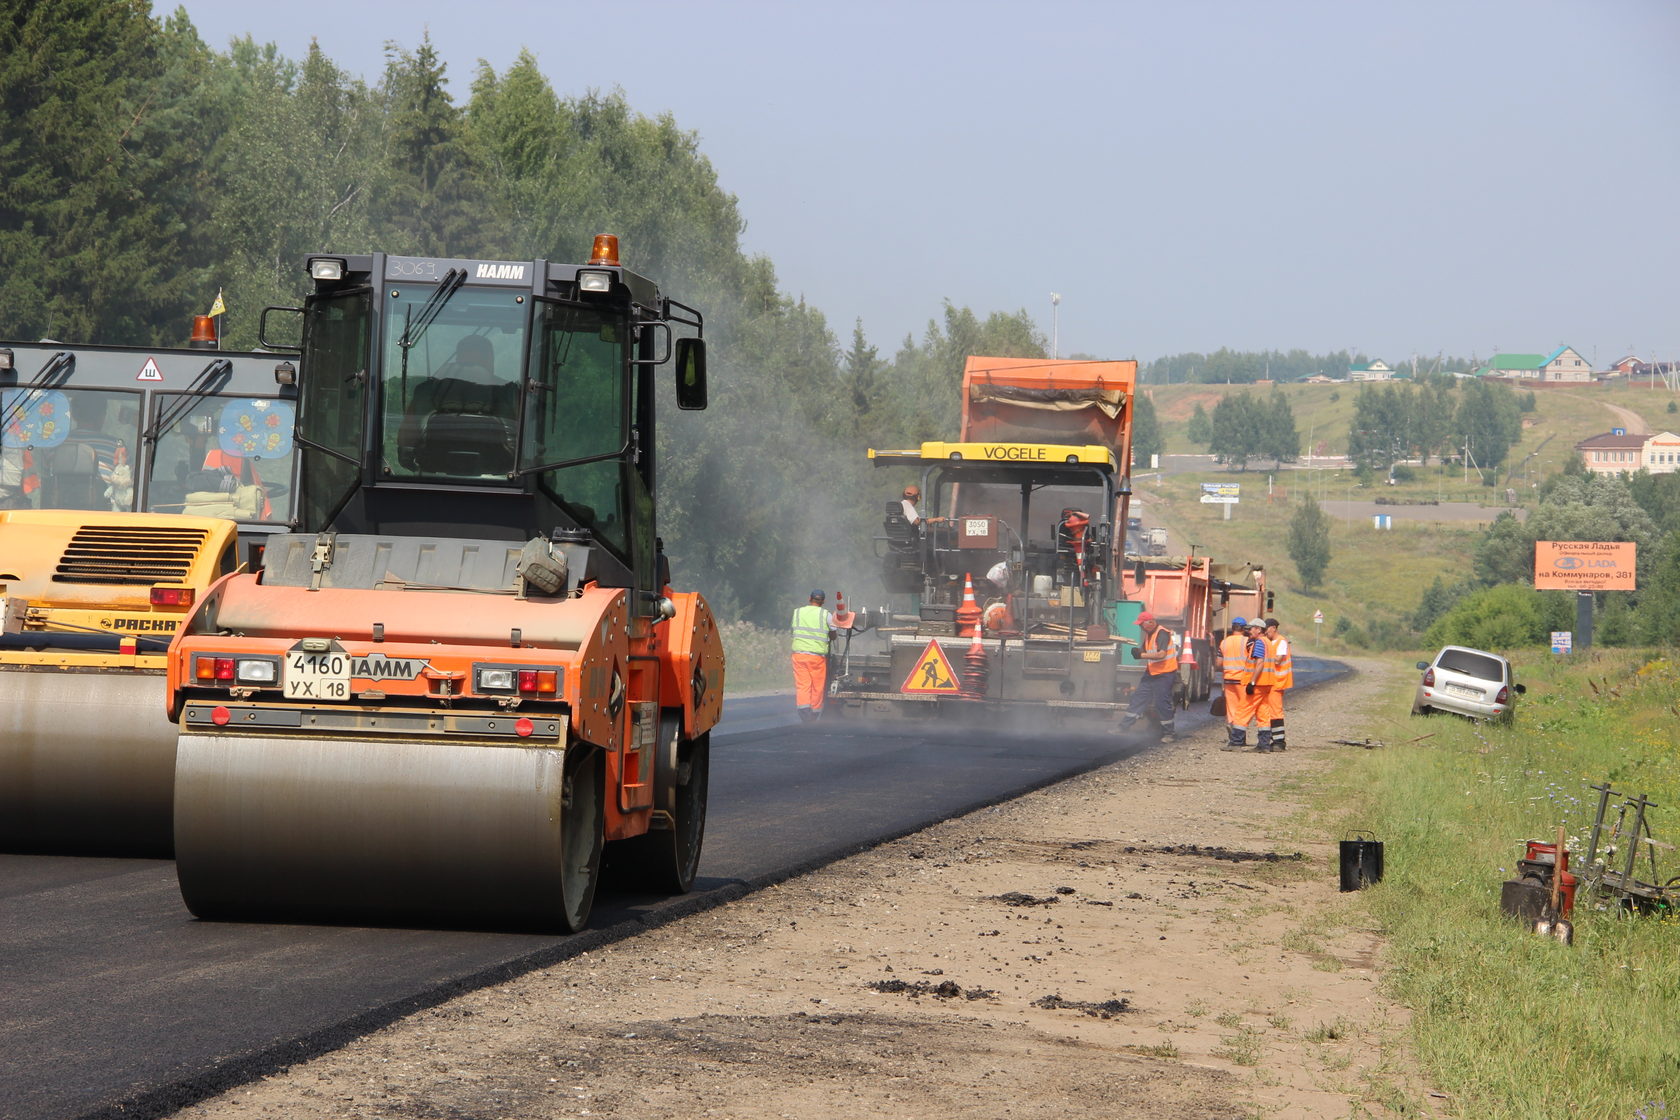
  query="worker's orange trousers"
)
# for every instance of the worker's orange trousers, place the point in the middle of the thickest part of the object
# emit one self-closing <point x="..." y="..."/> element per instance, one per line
<point x="1239" y="705"/>
<point x="810" y="680"/>
<point x="1268" y="705"/>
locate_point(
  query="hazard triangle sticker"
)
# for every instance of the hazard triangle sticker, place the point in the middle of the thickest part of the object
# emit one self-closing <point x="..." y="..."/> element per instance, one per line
<point x="149" y="371"/>
<point x="932" y="672"/>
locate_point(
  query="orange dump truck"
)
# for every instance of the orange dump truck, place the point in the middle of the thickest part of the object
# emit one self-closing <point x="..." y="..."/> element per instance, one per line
<point x="1196" y="597"/>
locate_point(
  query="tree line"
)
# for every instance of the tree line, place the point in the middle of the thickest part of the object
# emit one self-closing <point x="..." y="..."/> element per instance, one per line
<point x="145" y="172"/>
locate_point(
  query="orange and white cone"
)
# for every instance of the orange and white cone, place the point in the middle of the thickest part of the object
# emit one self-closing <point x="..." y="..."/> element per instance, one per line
<point x="976" y="668"/>
<point x="968" y="615"/>
<point x="842" y="617"/>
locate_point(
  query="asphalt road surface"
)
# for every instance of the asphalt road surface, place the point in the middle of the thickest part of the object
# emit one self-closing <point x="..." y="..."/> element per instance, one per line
<point x="117" y="1002"/>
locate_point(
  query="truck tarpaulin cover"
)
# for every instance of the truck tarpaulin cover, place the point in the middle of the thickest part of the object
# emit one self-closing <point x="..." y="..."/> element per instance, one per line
<point x="1035" y="400"/>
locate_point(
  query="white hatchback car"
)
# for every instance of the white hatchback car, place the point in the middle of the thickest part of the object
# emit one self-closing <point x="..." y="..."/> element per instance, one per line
<point x="1470" y="682"/>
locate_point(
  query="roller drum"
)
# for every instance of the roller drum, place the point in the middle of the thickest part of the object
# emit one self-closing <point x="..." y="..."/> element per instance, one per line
<point x="87" y="762"/>
<point x="374" y="832"/>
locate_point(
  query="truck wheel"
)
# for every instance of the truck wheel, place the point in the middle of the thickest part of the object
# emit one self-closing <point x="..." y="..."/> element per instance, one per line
<point x="583" y="815"/>
<point x="664" y="860"/>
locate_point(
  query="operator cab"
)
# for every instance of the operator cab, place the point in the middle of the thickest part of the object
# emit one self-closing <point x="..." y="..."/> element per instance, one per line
<point x="490" y="400"/>
<point x="1042" y="510"/>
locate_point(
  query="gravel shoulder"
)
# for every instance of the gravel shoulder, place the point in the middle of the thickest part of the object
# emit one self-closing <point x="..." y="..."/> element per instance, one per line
<point x="1162" y="938"/>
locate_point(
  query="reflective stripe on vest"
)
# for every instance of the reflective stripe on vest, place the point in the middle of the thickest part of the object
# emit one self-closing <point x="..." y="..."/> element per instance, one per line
<point x="1260" y="661"/>
<point x="1151" y="644"/>
<point x="810" y="629"/>
<point x="1233" y="651"/>
<point x="1283" y="666"/>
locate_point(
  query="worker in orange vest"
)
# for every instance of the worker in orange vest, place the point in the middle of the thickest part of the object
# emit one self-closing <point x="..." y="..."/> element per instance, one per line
<point x="1261" y="678"/>
<point x="1158" y="650"/>
<point x="1283" y="679"/>
<point x="1232" y="664"/>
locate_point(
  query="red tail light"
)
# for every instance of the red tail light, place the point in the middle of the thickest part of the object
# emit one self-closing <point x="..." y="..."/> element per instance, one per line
<point x="527" y="680"/>
<point x="172" y="596"/>
<point x="1504" y="696"/>
<point x="224" y="668"/>
<point x="1429" y="678"/>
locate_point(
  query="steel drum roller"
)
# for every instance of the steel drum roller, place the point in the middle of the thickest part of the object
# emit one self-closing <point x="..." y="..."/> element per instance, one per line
<point x="371" y="831"/>
<point x="87" y="762"/>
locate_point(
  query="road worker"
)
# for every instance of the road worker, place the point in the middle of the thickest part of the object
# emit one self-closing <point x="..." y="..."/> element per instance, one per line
<point x="1283" y="679"/>
<point x="813" y="629"/>
<point x="912" y="499"/>
<point x="1233" y="670"/>
<point x="1158" y="650"/>
<point x="1261" y="677"/>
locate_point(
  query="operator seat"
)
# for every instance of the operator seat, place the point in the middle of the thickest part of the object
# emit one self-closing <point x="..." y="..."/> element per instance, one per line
<point x="466" y="428"/>
<point x="901" y="566"/>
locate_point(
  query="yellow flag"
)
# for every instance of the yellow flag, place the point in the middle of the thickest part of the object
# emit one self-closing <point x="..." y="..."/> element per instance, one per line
<point x="218" y="308"/>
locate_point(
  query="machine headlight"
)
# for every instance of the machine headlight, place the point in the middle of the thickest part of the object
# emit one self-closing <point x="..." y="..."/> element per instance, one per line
<point x="497" y="680"/>
<point x="326" y="268"/>
<point x="258" y="671"/>
<point x="592" y="281"/>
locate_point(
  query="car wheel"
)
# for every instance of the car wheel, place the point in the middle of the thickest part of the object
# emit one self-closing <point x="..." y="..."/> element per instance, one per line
<point x="1421" y="709"/>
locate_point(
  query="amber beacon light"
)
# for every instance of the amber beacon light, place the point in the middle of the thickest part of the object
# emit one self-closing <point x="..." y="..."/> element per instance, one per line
<point x="605" y="251"/>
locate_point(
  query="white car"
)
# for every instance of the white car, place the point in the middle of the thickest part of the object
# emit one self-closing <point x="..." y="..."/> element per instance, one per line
<point x="1469" y="682"/>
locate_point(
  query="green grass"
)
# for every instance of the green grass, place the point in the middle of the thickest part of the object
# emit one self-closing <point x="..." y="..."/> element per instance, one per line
<point x="1373" y="574"/>
<point x="1509" y="1024"/>
<point x="755" y="659"/>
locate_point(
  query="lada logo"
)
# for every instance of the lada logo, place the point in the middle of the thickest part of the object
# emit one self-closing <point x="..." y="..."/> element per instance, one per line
<point x="1569" y="563"/>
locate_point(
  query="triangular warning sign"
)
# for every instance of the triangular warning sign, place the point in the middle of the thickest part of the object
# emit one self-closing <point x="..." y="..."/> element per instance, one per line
<point x="932" y="673"/>
<point x="149" y="371"/>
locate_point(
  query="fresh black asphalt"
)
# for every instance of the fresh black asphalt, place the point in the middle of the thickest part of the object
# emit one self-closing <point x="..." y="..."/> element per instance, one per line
<point x="116" y="1002"/>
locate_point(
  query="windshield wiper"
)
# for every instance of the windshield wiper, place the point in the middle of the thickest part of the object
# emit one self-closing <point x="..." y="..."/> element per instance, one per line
<point x="50" y="375"/>
<point x="414" y="327"/>
<point x="447" y="287"/>
<point x="200" y="388"/>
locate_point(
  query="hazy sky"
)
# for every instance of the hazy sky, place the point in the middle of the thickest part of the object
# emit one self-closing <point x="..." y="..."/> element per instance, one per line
<point x="1400" y="178"/>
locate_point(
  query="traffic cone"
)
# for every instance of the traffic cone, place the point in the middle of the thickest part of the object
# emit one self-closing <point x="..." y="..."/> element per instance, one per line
<point x="968" y="615"/>
<point x="842" y="617"/>
<point x="976" y="669"/>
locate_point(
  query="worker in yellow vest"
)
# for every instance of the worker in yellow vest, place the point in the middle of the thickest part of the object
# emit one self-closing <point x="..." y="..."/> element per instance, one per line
<point x="813" y="629"/>
<point x="1232" y="666"/>
<point x="1158" y="650"/>
<point x="1283" y="679"/>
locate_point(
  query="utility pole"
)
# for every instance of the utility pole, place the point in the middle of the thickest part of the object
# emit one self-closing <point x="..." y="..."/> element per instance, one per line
<point x="1055" y="339"/>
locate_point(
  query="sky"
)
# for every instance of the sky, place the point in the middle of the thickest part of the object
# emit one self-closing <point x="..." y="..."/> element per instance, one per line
<point x="1407" y="179"/>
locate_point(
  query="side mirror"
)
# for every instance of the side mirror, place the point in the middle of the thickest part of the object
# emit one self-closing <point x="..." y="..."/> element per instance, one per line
<point x="1423" y="664"/>
<point x="691" y="374"/>
<point x="1519" y="688"/>
<point x="291" y="340"/>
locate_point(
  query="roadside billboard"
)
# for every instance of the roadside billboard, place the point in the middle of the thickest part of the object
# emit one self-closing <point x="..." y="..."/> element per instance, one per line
<point x="1584" y="565"/>
<point x="1220" y="493"/>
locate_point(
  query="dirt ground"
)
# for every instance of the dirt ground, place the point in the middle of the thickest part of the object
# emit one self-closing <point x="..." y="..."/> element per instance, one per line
<point x="1159" y="939"/>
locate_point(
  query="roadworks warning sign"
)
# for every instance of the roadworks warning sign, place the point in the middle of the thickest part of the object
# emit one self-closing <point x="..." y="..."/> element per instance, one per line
<point x="932" y="673"/>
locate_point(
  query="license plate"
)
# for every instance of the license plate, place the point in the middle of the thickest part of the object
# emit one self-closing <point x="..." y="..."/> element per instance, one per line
<point x="317" y="676"/>
<point x="1465" y="691"/>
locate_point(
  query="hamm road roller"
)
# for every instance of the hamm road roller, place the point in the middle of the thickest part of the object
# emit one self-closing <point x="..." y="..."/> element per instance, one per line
<point x="130" y="479"/>
<point x="466" y="675"/>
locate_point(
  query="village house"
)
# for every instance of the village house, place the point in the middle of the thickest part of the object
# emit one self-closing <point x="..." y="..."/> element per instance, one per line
<point x="1378" y="370"/>
<point x="1563" y="364"/>
<point x="1622" y="452"/>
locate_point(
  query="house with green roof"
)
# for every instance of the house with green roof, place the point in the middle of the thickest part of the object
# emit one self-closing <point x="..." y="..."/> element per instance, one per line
<point x="1561" y="365"/>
